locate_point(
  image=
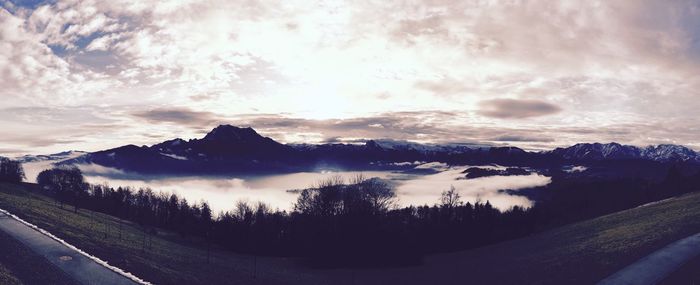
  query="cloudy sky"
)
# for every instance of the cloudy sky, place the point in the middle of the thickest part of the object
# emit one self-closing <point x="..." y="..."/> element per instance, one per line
<point x="92" y="75"/>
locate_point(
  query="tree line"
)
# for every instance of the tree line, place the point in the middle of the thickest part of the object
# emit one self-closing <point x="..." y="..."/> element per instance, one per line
<point x="357" y="222"/>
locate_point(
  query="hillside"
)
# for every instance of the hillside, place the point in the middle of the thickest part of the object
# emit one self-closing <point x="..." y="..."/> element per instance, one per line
<point x="157" y="256"/>
<point x="580" y="253"/>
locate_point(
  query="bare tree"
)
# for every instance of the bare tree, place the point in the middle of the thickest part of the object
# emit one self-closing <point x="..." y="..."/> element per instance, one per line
<point x="243" y="211"/>
<point x="379" y="194"/>
<point x="323" y="200"/>
<point x="450" y="198"/>
<point x="333" y="197"/>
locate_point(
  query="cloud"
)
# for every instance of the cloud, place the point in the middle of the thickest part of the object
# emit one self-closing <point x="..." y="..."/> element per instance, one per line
<point x="445" y="87"/>
<point x="312" y="71"/>
<point x="182" y="116"/>
<point x="516" y="108"/>
<point x="103" y="43"/>
<point x="12" y="152"/>
<point x="520" y="138"/>
<point x="53" y="129"/>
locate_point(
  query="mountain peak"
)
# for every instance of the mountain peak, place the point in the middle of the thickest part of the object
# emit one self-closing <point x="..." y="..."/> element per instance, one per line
<point x="599" y="151"/>
<point x="229" y="133"/>
<point x="669" y="152"/>
<point x="372" y="144"/>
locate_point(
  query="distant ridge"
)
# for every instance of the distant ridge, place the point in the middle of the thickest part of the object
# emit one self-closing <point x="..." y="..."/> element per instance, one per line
<point x="229" y="149"/>
<point x="616" y="151"/>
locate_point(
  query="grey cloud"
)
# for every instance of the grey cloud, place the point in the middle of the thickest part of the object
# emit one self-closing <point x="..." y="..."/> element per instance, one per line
<point x="35" y="140"/>
<point x="11" y="152"/>
<point x="182" y="116"/>
<point x="553" y="36"/>
<point x="521" y="138"/>
<point x="335" y="139"/>
<point x="408" y="29"/>
<point x="444" y="87"/>
<point x="54" y="129"/>
<point x="54" y="115"/>
<point x="516" y="108"/>
<point x="204" y="97"/>
<point x="406" y="125"/>
<point x="413" y="126"/>
<point x="434" y="127"/>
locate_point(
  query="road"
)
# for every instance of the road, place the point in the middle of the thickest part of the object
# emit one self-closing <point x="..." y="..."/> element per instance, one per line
<point x="78" y="266"/>
<point x="655" y="267"/>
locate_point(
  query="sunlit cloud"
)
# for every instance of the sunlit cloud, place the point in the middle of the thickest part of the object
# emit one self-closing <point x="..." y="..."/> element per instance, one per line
<point x="531" y="74"/>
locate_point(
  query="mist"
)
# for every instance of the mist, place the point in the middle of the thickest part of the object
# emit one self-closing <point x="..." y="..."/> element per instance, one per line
<point x="223" y="192"/>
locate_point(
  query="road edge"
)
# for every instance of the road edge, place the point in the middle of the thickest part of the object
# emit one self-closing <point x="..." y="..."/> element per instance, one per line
<point x="665" y="261"/>
<point x="99" y="261"/>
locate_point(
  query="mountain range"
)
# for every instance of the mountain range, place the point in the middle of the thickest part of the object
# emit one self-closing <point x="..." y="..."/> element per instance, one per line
<point x="228" y="149"/>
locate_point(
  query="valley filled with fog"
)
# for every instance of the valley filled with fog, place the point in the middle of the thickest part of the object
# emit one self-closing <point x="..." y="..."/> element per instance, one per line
<point x="419" y="186"/>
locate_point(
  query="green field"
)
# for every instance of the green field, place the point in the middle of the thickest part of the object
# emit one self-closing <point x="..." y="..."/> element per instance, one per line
<point x="580" y="253"/>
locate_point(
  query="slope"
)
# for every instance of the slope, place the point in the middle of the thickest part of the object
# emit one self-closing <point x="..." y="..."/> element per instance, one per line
<point x="580" y="253"/>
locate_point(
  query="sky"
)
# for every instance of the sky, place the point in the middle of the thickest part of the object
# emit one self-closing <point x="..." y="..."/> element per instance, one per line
<point x="92" y="75"/>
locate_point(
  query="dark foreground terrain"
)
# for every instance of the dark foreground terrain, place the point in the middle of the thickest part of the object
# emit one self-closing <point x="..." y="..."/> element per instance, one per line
<point x="19" y="265"/>
<point x="580" y="253"/>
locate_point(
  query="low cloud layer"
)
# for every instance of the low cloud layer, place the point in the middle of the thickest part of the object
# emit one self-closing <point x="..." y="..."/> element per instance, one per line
<point x="516" y="109"/>
<point x="157" y="125"/>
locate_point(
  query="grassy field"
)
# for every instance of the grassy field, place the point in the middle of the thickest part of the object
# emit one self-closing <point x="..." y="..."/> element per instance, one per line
<point x="163" y="258"/>
<point x="7" y="277"/>
<point x="581" y="253"/>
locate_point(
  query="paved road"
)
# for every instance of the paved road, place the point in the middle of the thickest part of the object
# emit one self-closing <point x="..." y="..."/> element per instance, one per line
<point x="656" y="266"/>
<point x="79" y="267"/>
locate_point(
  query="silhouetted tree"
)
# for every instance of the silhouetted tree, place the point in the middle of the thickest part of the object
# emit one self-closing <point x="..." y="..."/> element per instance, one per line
<point x="450" y="198"/>
<point x="11" y="170"/>
<point x="65" y="183"/>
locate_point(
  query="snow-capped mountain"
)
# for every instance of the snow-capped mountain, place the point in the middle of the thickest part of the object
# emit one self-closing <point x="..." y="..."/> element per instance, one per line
<point x="33" y="164"/>
<point x="389" y="144"/>
<point x="669" y="152"/>
<point x="228" y="149"/>
<point x="616" y="151"/>
<point x="598" y="151"/>
<point x="51" y="157"/>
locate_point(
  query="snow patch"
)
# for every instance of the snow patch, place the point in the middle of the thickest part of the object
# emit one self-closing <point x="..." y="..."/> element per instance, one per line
<point x="655" y="202"/>
<point x="433" y="165"/>
<point x="407" y="163"/>
<point x="174" y="156"/>
<point x="574" y="169"/>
